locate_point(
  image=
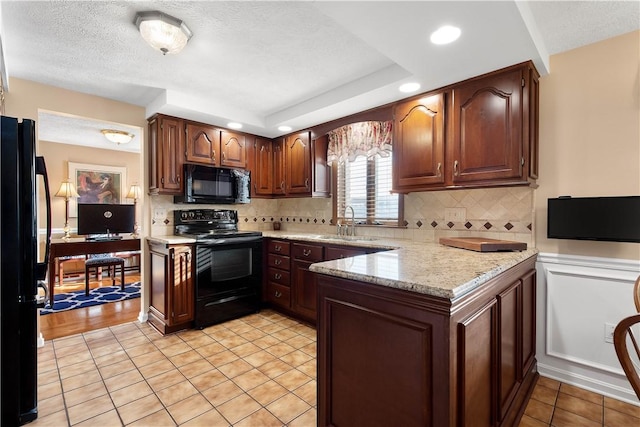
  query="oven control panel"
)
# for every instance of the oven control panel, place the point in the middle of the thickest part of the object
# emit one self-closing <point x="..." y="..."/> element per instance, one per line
<point x="191" y="216"/>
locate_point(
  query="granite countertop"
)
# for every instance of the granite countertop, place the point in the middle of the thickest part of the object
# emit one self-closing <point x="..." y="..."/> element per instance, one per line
<point x="171" y="240"/>
<point x="426" y="268"/>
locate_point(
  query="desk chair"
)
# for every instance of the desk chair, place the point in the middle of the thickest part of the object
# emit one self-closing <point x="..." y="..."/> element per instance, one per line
<point x="98" y="262"/>
<point x="61" y="263"/>
<point x="630" y="362"/>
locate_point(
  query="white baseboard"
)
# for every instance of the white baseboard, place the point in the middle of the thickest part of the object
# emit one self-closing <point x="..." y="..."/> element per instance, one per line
<point x="143" y="317"/>
<point x="587" y="382"/>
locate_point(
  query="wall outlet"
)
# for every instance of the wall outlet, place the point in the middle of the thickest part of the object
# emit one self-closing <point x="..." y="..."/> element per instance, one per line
<point x="608" y="332"/>
<point x="455" y="214"/>
<point x="159" y="214"/>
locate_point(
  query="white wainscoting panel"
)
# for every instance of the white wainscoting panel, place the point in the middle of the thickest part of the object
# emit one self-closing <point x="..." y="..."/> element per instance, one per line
<point x="577" y="296"/>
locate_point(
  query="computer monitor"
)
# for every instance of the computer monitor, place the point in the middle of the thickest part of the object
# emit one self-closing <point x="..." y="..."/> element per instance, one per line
<point x="105" y="219"/>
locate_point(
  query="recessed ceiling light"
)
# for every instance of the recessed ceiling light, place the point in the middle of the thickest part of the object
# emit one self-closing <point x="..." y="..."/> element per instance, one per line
<point x="445" y="34"/>
<point x="409" y="87"/>
<point x="284" y="128"/>
<point x="234" y="125"/>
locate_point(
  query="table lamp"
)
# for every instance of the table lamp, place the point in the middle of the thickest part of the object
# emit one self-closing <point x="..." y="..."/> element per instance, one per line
<point x="134" y="193"/>
<point x="67" y="191"/>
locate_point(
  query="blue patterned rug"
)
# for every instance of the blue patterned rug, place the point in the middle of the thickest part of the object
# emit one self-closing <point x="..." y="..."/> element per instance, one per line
<point x="103" y="295"/>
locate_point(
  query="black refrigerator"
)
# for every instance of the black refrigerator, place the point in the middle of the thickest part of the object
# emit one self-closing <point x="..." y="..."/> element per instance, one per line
<point x="22" y="174"/>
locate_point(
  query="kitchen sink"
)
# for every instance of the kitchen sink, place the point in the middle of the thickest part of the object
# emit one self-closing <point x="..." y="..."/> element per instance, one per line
<point x="346" y="238"/>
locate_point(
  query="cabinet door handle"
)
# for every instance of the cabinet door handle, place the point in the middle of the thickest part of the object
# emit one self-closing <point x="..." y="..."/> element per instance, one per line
<point x="306" y="252"/>
<point x="306" y="182"/>
<point x="213" y="155"/>
<point x="439" y="173"/>
<point x="278" y="294"/>
<point x="177" y="178"/>
<point x="277" y="276"/>
<point x="277" y="262"/>
<point x="282" y="186"/>
<point x="277" y="248"/>
<point x="224" y="157"/>
<point x="455" y="168"/>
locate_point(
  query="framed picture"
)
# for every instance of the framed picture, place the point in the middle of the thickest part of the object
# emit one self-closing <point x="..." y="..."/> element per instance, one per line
<point x="96" y="184"/>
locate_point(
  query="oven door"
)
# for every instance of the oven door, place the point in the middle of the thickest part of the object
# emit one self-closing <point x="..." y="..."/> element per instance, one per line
<point x="228" y="280"/>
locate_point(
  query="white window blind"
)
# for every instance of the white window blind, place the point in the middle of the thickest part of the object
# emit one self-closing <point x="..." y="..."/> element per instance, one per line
<point x="365" y="185"/>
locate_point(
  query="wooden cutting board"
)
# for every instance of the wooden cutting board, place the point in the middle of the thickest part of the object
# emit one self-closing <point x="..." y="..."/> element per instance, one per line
<point x="481" y="244"/>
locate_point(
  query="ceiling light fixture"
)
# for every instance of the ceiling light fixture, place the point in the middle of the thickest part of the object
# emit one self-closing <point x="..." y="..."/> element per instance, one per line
<point x="162" y="31"/>
<point x="445" y="34"/>
<point x="284" y="128"/>
<point x="117" y="136"/>
<point x="234" y="125"/>
<point x="409" y="87"/>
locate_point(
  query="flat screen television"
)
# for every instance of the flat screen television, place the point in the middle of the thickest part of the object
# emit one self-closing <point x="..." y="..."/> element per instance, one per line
<point x="104" y="219"/>
<point x="611" y="219"/>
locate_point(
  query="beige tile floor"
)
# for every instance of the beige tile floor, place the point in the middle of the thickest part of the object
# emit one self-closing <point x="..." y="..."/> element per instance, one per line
<point x="256" y="371"/>
<point x="259" y="370"/>
<point x="562" y="405"/>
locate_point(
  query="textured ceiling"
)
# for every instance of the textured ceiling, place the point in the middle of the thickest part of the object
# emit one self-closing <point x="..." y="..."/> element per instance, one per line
<point x="298" y="63"/>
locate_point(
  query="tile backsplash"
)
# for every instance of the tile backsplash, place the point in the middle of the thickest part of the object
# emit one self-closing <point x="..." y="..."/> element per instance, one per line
<point x="500" y="213"/>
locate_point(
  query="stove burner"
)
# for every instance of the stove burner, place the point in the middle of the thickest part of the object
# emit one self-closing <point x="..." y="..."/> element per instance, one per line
<point x="206" y="225"/>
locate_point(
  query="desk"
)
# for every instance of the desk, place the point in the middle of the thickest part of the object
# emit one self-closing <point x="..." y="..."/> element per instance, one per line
<point x="73" y="247"/>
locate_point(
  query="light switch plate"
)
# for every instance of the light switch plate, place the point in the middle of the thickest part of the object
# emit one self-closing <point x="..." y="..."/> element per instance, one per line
<point x="455" y="214"/>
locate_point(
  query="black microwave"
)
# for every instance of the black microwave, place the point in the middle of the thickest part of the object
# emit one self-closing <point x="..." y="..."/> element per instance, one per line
<point x="211" y="185"/>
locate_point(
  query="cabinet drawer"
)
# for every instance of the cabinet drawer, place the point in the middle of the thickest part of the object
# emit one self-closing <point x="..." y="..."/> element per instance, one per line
<point x="279" y="295"/>
<point x="279" y="247"/>
<point x="311" y="253"/>
<point x="278" y="276"/>
<point x="278" y="261"/>
<point x="338" y="252"/>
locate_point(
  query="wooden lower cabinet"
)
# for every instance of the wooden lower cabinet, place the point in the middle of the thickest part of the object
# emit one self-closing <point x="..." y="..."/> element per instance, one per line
<point x="303" y="281"/>
<point x="289" y="285"/>
<point x="393" y="357"/>
<point x="171" y="306"/>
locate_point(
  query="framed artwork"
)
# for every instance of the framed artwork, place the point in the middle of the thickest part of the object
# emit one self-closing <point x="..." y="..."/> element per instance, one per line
<point x="96" y="184"/>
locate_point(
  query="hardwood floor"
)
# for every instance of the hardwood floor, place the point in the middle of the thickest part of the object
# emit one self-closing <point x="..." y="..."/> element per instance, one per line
<point x="56" y="325"/>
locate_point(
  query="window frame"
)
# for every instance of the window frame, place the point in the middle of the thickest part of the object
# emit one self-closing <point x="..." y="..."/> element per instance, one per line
<point x="339" y="216"/>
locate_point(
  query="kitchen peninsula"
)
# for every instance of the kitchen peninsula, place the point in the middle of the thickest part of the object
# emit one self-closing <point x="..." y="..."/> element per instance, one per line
<point x="426" y="335"/>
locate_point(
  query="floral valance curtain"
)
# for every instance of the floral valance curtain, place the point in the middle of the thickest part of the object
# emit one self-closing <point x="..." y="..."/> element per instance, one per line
<point x="356" y="139"/>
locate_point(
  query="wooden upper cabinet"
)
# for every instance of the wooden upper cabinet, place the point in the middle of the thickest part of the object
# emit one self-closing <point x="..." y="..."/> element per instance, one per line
<point x="262" y="174"/>
<point x="233" y="150"/>
<point x="279" y="181"/>
<point x="202" y="144"/>
<point x="166" y="154"/>
<point x="482" y="132"/>
<point x="418" y="144"/>
<point x="297" y="149"/>
<point x="487" y="128"/>
<point x="321" y="179"/>
<point x="531" y="106"/>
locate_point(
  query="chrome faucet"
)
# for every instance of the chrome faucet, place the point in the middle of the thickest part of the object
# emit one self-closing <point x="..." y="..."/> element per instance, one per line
<point x="353" y="221"/>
